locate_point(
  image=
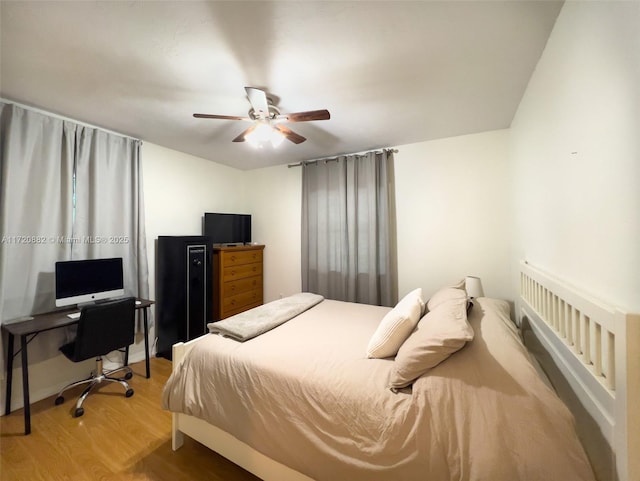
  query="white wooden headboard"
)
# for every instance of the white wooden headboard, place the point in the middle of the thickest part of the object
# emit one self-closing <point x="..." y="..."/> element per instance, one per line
<point x="597" y="349"/>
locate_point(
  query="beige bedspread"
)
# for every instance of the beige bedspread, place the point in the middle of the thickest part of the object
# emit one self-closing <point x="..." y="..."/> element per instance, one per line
<point x="305" y="395"/>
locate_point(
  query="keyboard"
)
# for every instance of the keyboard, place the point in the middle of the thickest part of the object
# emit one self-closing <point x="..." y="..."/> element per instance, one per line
<point x="74" y="315"/>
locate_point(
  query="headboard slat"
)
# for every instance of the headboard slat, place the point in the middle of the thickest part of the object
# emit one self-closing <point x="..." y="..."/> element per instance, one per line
<point x="592" y="345"/>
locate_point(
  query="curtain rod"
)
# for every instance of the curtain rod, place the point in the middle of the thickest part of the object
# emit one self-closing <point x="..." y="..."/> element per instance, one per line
<point x="65" y="118"/>
<point x="331" y="159"/>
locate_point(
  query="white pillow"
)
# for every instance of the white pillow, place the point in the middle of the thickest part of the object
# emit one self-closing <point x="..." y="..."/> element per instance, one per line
<point x="396" y="326"/>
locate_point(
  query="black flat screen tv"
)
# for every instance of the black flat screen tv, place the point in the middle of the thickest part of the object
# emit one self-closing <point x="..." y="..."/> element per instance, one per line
<point x="227" y="228"/>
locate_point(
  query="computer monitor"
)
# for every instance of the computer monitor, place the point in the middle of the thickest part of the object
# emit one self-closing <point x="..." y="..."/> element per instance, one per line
<point x="88" y="280"/>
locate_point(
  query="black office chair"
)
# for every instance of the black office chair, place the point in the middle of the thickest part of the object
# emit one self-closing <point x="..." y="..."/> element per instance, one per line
<point x="102" y="328"/>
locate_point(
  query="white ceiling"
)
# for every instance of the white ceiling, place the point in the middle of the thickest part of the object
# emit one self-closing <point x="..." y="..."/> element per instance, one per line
<point x="390" y="73"/>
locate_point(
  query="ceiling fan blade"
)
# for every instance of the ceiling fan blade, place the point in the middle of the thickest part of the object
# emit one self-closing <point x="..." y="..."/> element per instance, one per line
<point x="243" y="135"/>
<point x="290" y="134"/>
<point x="310" y="115"/>
<point x="221" y="117"/>
<point x="259" y="102"/>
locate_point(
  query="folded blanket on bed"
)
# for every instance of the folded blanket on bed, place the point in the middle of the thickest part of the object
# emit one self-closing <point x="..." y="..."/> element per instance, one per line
<point x="256" y="321"/>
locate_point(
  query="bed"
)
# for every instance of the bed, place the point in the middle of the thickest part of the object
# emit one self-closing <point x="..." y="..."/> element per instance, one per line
<point x="302" y="401"/>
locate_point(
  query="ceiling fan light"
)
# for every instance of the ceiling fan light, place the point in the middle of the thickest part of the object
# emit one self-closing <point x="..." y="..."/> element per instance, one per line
<point x="264" y="135"/>
<point x="276" y="137"/>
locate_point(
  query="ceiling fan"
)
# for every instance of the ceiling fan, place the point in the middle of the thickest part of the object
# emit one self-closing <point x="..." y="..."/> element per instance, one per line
<point x="267" y="121"/>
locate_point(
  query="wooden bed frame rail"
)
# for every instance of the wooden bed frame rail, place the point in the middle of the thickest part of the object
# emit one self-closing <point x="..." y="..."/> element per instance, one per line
<point x="597" y="349"/>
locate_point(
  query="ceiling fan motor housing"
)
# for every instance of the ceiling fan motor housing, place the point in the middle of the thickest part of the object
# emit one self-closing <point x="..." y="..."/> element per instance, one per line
<point x="273" y="111"/>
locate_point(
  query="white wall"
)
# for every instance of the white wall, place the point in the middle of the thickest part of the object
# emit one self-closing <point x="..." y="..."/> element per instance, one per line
<point x="576" y="153"/>
<point x="274" y="195"/>
<point x="453" y="214"/>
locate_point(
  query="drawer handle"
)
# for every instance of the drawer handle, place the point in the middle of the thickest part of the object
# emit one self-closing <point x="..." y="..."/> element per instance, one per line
<point x="254" y="268"/>
<point x="233" y="258"/>
<point x="233" y="273"/>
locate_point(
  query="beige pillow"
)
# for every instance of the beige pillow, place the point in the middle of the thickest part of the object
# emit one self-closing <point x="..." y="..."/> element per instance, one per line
<point x="445" y="294"/>
<point x="441" y="332"/>
<point x="396" y="326"/>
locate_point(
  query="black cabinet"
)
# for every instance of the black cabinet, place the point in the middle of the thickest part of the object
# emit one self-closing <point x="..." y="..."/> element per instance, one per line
<point x="183" y="290"/>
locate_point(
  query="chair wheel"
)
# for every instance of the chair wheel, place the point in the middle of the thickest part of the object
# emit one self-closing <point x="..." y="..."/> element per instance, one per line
<point x="128" y="375"/>
<point x="78" y="412"/>
<point x="129" y="392"/>
<point x="59" y="400"/>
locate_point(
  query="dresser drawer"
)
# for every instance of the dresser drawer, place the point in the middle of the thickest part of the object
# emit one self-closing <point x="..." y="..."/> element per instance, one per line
<point x="238" y="286"/>
<point x="241" y="257"/>
<point x="237" y="279"/>
<point x="241" y="271"/>
<point x="241" y="301"/>
<point x="233" y="312"/>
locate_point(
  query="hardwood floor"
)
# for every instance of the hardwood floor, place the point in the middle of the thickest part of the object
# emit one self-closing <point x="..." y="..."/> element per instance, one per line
<point x="118" y="438"/>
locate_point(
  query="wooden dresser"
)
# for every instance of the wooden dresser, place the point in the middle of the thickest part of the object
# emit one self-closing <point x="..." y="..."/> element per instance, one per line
<point x="237" y="279"/>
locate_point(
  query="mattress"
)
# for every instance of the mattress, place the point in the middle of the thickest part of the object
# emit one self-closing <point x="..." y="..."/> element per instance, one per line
<point x="305" y="395"/>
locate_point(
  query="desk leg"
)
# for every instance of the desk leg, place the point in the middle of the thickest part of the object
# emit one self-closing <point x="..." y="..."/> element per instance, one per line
<point x="10" y="355"/>
<point x="146" y="341"/>
<point x="25" y="384"/>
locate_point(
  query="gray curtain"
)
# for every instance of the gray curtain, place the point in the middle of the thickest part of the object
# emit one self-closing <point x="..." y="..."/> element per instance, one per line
<point x="45" y="165"/>
<point x="109" y="206"/>
<point x="348" y="229"/>
<point x="36" y="190"/>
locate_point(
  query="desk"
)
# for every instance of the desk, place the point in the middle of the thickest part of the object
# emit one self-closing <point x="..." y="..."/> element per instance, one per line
<point x="46" y="322"/>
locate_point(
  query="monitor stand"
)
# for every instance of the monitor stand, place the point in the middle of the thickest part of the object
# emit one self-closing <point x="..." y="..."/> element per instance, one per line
<point x="93" y="303"/>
